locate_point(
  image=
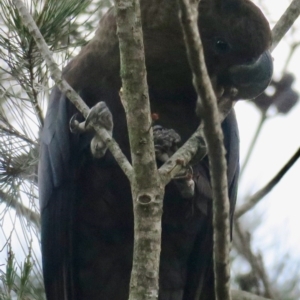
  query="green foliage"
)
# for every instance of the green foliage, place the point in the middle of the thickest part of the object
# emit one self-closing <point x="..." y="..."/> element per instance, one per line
<point x="24" y="94"/>
<point x="24" y="80"/>
<point x="23" y="62"/>
<point x="18" y="282"/>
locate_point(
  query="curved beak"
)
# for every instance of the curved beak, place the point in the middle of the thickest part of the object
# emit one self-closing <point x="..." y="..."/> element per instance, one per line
<point x="252" y="79"/>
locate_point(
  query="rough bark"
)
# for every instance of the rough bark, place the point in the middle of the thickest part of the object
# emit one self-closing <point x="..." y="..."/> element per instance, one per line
<point x="216" y="152"/>
<point x="147" y="191"/>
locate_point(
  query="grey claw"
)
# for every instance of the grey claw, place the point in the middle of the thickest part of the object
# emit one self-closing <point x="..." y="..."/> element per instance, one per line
<point x="75" y="125"/>
<point x="99" y="115"/>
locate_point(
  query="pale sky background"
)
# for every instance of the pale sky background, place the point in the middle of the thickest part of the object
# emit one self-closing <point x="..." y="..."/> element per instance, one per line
<point x="279" y="211"/>
<point x="279" y="139"/>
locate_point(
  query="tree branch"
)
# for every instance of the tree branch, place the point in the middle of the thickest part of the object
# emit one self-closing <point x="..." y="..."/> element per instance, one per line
<point x="147" y="192"/>
<point x="279" y="30"/>
<point x="20" y="209"/>
<point x="12" y="131"/>
<point x="255" y="261"/>
<point x="195" y="144"/>
<point x="56" y="75"/>
<point x="285" y="22"/>
<point x="262" y="120"/>
<point x="241" y="295"/>
<point x="214" y="139"/>
<point x="267" y="188"/>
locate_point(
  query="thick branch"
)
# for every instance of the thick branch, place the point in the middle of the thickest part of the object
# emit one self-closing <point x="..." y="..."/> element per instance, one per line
<point x="146" y="189"/>
<point x="216" y="152"/>
<point x="56" y="75"/>
<point x="269" y="186"/>
<point x="134" y="93"/>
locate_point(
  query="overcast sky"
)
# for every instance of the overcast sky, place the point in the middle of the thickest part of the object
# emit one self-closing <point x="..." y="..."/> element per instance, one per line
<point x="278" y="141"/>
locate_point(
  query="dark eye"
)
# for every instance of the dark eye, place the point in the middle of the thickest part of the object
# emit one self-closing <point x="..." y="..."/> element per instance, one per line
<point x="221" y="46"/>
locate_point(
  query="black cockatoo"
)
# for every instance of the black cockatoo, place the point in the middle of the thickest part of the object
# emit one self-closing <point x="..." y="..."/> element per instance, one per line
<point x="86" y="205"/>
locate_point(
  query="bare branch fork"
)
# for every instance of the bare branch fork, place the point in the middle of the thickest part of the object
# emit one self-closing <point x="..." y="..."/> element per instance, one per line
<point x="168" y="170"/>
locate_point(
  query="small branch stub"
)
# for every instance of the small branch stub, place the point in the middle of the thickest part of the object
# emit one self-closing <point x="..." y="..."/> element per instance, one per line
<point x="145" y="199"/>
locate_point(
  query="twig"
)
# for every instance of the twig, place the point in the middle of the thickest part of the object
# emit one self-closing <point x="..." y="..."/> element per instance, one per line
<point x="18" y="134"/>
<point x="262" y="120"/>
<point x="216" y="152"/>
<point x="269" y="186"/>
<point x="293" y="49"/>
<point x="241" y="295"/>
<point x="20" y="209"/>
<point x="254" y="260"/>
<point x="56" y="75"/>
<point x="34" y="99"/>
<point x="285" y="22"/>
